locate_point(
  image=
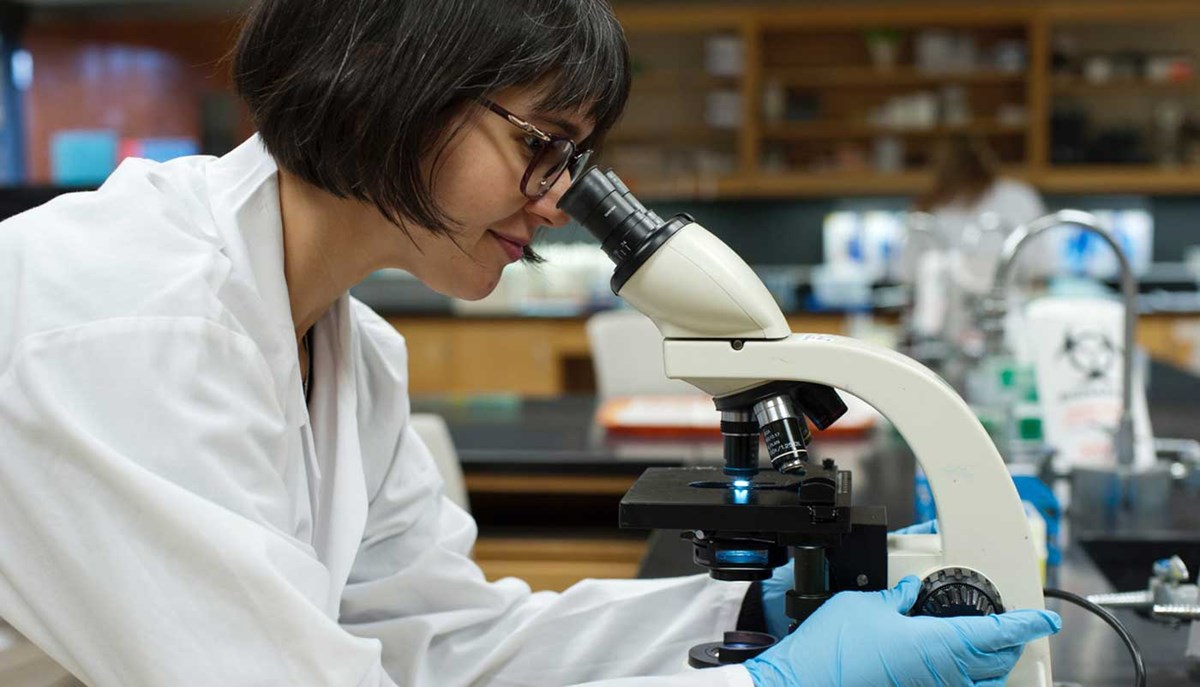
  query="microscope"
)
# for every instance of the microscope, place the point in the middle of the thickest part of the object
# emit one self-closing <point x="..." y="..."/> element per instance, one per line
<point x="725" y="335"/>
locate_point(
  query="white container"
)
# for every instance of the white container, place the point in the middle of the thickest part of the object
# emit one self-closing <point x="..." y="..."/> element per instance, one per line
<point x="931" y="293"/>
<point x="1075" y="343"/>
<point x="723" y="109"/>
<point x="841" y="285"/>
<point x="774" y="100"/>
<point x="724" y="55"/>
<point x="887" y="154"/>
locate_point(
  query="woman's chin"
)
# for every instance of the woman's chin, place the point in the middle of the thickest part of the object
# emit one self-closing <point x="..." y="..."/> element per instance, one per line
<point x="477" y="290"/>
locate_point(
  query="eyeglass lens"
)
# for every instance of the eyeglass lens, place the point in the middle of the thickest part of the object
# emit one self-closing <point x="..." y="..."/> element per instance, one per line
<point x="579" y="164"/>
<point x="547" y="167"/>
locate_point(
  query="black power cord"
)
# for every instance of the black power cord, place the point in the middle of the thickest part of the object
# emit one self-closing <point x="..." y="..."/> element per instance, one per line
<point x="1135" y="653"/>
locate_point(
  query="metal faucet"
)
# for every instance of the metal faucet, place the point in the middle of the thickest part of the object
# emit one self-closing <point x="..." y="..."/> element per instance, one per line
<point x="996" y="306"/>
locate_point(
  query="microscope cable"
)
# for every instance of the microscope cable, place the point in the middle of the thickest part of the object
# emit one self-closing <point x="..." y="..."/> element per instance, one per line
<point x="1138" y="665"/>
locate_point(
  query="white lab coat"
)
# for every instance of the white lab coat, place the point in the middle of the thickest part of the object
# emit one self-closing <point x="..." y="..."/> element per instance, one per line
<point x="172" y="513"/>
<point x="975" y="233"/>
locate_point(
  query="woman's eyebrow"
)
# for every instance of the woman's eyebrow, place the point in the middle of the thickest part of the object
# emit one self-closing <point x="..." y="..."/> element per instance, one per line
<point x="566" y="126"/>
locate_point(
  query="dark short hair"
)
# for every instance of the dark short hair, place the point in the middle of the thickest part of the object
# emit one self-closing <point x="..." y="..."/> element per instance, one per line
<point x="351" y="95"/>
<point x="964" y="168"/>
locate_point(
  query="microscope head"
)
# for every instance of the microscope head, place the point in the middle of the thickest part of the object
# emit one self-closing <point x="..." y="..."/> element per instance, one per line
<point x="695" y="287"/>
<point x="686" y="280"/>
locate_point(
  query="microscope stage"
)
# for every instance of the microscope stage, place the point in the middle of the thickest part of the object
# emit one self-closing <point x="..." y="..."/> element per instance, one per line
<point x="705" y="499"/>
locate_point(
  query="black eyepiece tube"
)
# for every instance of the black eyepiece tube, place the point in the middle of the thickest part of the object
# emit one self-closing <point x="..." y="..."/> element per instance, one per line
<point x="602" y="204"/>
<point x="628" y="233"/>
<point x="620" y="186"/>
<point x="612" y="176"/>
<point x="588" y="194"/>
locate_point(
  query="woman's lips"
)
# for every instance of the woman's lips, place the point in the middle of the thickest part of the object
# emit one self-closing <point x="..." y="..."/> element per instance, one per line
<point x="512" y="249"/>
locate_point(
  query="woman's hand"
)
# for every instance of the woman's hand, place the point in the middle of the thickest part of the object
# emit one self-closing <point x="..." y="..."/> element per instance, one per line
<point x="865" y="638"/>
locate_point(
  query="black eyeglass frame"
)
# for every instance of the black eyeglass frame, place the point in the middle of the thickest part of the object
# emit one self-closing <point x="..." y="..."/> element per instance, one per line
<point x="573" y="160"/>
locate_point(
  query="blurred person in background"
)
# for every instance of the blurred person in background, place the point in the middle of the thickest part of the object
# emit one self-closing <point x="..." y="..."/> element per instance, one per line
<point x="974" y="208"/>
<point x="955" y="240"/>
<point x="209" y="476"/>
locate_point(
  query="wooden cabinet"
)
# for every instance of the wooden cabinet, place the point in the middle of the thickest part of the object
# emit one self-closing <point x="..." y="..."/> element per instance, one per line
<point x="505" y="355"/>
<point x="1123" y="91"/>
<point x="777" y="101"/>
<point x="1170" y="339"/>
<point x="526" y="356"/>
<point x="557" y="563"/>
<point x="533" y="357"/>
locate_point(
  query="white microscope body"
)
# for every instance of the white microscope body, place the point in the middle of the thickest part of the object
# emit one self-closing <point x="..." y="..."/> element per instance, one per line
<point x="724" y="333"/>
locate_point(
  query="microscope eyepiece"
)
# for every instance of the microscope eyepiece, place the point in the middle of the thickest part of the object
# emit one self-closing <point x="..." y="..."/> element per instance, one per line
<point x="628" y="233"/>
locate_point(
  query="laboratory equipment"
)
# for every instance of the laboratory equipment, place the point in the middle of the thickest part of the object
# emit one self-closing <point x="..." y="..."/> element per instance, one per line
<point x="725" y="335"/>
<point x="1168" y="598"/>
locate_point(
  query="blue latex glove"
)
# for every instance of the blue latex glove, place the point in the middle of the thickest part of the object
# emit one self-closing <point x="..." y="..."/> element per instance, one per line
<point x="864" y="638"/>
<point x="927" y="527"/>
<point x="775" y="588"/>
<point x="774" y="598"/>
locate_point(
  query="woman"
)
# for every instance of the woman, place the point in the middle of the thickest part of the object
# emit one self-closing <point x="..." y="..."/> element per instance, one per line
<point x="208" y="475"/>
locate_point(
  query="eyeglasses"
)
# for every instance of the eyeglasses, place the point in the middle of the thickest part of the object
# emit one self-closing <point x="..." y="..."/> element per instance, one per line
<point x="555" y="155"/>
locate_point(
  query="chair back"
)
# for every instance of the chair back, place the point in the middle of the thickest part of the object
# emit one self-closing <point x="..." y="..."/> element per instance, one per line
<point x="627" y="356"/>
<point x="433" y="431"/>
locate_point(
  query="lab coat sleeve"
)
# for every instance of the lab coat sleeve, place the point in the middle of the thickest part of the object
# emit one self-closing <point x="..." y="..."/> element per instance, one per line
<point x="415" y="588"/>
<point x="145" y="522"/>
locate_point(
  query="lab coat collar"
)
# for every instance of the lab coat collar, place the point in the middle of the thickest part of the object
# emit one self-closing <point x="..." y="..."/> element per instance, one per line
<point x="244" y="197"/>
<point x="340" y="496"/>
<point x="244" y="192"/>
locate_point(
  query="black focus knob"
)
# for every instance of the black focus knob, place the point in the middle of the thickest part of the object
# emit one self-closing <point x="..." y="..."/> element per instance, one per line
<point x="952" y="592"/>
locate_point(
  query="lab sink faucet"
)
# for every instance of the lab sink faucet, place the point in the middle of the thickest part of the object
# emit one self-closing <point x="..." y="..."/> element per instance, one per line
<point x="996" y="306"/>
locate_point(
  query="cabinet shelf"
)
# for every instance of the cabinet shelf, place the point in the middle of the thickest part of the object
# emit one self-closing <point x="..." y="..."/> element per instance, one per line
<point x="673" y="136"/>
<point x="872" y="77"/>
<point x="804" y="131"/>
<point x="1089" y="179"/>
<point x="674" y="79"/>
<point x="1184" y="179"/>
<point x="783" y="184"/>
<point x="821" y="59"/>
<point x="1121" y="87"/>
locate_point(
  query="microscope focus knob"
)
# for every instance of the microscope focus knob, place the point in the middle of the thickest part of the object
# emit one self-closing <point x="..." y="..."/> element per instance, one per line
<point x="954" y="592"/>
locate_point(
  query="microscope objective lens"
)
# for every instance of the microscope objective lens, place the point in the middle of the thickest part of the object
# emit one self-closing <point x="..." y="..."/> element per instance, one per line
<point x="785" y="432"/>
